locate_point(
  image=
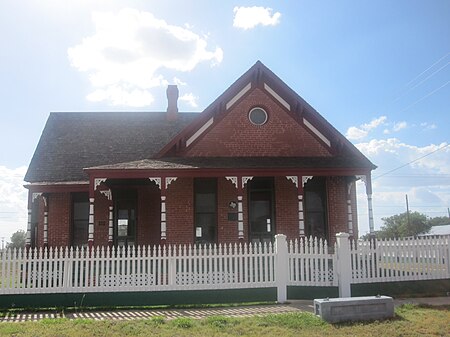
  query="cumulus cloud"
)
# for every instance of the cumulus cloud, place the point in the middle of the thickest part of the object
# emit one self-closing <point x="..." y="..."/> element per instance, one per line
<point x="190" y="99"/>
<point x="13" y="201"/>
<point x="426" y="181"/>
<point x="356" y="133"/>
<point x="128" y="50"/>
<point x="250" y="17"/>
<point x="399" y="126"/>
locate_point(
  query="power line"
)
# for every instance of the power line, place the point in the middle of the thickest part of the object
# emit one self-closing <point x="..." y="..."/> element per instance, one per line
<point x="412" y="161"/>
<point x="423" y="72"/>
<point x="426" y="96"/>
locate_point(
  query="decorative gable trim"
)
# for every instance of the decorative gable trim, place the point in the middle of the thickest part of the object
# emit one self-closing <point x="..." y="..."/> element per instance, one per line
<point x="199" y="131"/>
<point x="316" y="132"/>
<point x="277" y="97"/>
<point x="238" y="96"/>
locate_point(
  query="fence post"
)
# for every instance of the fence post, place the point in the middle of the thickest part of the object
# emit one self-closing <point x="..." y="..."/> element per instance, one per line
<point x="344" y="266"/>
<point x="281" y="267"/>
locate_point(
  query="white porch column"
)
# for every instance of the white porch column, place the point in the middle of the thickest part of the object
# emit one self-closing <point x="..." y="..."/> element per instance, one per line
<point x="369" y="206"/>
<point x="368" y="182"/>
<point x="240" y="218"/>
<point x="28" y="238"/>
<point x="301" y="215"/>
<point x="163" y="184"/>
<point x="91" y="222"/>
<point x="45" y="200"/>
<point x="110" y="225"/>
<point x="349" y="209"/>
<point x="163" y="218"/>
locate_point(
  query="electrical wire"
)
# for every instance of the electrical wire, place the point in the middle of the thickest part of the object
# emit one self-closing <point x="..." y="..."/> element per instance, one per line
<point x="412" y="161"/>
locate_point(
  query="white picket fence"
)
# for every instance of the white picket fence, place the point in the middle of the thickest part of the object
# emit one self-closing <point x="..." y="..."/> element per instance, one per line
<point x="400" y="260"/>
<point x="302" y="262"/>
<point x="311" y="264"/>
<point x="157" y="268"/>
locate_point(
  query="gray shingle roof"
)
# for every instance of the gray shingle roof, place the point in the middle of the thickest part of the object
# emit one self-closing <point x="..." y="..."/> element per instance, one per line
<point x="344" y="162"/>
<point x="72" y="141"/>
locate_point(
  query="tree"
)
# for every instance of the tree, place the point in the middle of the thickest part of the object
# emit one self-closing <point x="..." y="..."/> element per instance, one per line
<point x="439" y="221"/>
<point x="17" y="239"/>
<point x="398" y="226"/>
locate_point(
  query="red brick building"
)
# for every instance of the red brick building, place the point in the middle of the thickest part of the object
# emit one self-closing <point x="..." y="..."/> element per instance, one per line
<point x="256" y="162"/>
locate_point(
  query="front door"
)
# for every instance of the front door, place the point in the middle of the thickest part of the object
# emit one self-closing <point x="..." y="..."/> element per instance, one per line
<point x="126" y="218"/>
<point x="261" y="210"/>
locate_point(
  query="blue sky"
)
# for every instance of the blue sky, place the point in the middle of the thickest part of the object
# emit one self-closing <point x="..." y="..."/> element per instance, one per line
<point x="377" y="70"/>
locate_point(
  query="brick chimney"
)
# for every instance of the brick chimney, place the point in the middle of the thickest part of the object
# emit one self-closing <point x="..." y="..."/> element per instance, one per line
<point x="172" y="102"/>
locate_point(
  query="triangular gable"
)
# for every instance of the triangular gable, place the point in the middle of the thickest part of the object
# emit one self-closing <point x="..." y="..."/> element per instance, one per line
<point x="260" y="86"/>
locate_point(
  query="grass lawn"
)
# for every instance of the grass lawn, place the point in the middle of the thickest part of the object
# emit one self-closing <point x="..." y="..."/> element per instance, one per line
<point x="410" y="320"/>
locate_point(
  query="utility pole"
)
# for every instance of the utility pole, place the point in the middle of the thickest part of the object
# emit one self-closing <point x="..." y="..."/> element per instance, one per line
<point x="407" y="211"/>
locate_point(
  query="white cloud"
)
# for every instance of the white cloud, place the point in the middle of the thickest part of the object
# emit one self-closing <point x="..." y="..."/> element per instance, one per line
<point x="250" y="17"/>
<point x="426" y="181"/>
<point x="355" y="133"/>
<point x="190" y="99"/>
<point x="428" y="126"/>
<point x="399" y="126"/>
<point x="127" y="51"/>
<point x="13" y="201"/>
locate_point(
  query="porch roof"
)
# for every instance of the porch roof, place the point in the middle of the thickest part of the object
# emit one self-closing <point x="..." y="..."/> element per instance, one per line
<point x="189" y="163"/>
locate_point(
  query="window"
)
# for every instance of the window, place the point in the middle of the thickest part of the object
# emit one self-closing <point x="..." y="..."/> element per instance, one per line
<point x="80" y="219"/>
<point x="205" y="217"/>
<point x="316" y="208"/>
<point x="257" y="116"/>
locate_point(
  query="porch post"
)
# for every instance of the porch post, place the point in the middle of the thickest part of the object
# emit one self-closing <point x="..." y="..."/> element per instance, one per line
<point x="45" y="200"/>
<point x="349" y="208"/>
<point x="368" y="182"/>
<point x="301" y="218"/>
<point x="110" y="225"/>
<point x="108" y="194"/>
<point x="163" y="217"/>
<point x="30" y="206"/>
<point x="240" y="218"/>
<point x="28" y="238"/>
<point x="91" y="223"/>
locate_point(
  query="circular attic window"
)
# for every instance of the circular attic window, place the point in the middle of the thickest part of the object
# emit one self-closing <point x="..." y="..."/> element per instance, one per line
<point x="257" y="116"/>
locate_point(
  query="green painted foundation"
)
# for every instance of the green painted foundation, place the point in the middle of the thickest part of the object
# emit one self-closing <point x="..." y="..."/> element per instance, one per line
<point x="310" y="293"/>
<point x="151" y="298"/>
<point x="424" y="288"/>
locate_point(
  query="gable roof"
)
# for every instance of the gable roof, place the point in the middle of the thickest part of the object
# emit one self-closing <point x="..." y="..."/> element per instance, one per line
<point x="72" y="141"/>
<point x="259" y="76"/>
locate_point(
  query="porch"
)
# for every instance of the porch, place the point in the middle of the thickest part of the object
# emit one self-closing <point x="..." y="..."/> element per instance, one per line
<point x="125" y="206"/>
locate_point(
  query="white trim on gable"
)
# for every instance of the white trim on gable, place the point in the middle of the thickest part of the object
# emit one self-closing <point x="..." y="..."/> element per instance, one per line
<point x="239" y="95"/>
<point x="199" y="131"/>
<point x="317" y="132"/>
<point x="277" y="97"/>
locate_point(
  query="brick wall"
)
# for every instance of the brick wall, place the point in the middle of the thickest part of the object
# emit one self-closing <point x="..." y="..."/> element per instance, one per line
<point x="59" y="228"/>
<point x="101" y="216"/>
<point x="280" y="136"/>
<point x="179" y="211"/>
<point x="337" y="206"/>
<point x="286" y="212"/>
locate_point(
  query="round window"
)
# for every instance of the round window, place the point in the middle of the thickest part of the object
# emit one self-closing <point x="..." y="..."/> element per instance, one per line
<point x="257" y="116"/>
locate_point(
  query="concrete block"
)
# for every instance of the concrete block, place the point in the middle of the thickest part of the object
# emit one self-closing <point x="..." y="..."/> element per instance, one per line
<point x="364" y="308"/>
